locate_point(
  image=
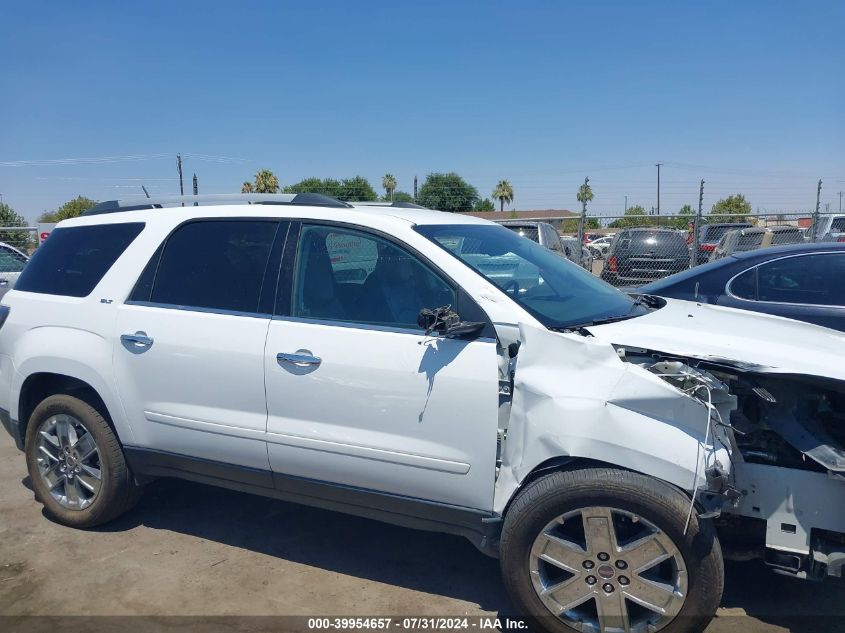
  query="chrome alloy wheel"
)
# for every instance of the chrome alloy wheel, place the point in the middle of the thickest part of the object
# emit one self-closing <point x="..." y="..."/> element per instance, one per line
<point x="68" y="461"/>
<point x="604" y="569"/>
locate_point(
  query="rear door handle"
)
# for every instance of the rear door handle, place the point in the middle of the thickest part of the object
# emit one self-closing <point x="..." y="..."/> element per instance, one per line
<point x="300" y="360"/>
<point x="139" y="340"/>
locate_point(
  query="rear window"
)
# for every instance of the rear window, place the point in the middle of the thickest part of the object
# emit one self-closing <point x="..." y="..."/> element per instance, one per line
<point x="531" y="232"/>
<point x="662" y="241"/>
<point x="713" y="233"/>
<point x="788" y="237"/>
<point x="750" y="241"/>
<point x="73" y="260"/>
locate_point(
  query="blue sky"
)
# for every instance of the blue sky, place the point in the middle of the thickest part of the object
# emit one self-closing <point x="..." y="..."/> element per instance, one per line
<point x="749" y="96"/>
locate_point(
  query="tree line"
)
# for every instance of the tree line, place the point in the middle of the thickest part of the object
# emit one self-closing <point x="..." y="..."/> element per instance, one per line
<point x="443" y="191"/>
<point x="734" y="208"/>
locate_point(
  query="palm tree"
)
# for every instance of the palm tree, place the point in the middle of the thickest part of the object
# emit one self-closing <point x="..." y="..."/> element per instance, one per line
<point x="266" y="182"/>
<point x="503" y="193"/>
<point x="247" y="187"/>
<point x="389" y="184"/>
<point x="585" y="194"/>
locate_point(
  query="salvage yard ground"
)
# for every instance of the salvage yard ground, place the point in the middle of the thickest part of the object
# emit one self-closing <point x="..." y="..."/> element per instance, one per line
<point x="189" y="549"/>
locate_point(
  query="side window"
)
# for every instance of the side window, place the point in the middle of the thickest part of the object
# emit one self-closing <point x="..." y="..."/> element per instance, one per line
<point x="213" y="264"/>
<point x="809" y="279"/>
<point x="346" y="275"/>
<point x="745" y="285"/>
<point x="74" y="260"/>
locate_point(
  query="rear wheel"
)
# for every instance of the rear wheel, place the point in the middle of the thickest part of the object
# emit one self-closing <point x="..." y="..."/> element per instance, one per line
<point x="604" y="550"/>
<point x="76" y="463"/>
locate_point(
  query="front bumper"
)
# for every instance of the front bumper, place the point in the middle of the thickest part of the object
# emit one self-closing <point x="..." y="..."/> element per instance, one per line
<point x="12" y="427"/>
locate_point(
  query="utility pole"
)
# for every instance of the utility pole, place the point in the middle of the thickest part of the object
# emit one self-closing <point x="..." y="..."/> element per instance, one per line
<point x="626" y="204"/>
<point x="840" y="202"/>
<point x="179" y="169"/>
<point x="693" y="261"/>
<point x="814" y="235"/>
<point x="415" y="188"/>
<point x="196" y="188"/>
<point x="658" y="192"/>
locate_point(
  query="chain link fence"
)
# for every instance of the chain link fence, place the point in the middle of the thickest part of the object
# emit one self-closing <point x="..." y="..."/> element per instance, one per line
<point x="633" y="250"/>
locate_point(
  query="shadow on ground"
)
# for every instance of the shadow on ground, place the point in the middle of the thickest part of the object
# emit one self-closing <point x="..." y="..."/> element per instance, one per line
<point x="435" y="563"/>
<point x="430" y="562"/>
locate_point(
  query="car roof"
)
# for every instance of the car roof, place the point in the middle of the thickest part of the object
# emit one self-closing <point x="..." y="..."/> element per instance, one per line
<point x="651" y="229"/>
<point x="519" y="222"/>
<point x="368" y="214"/>
<point x="789" y="249"/>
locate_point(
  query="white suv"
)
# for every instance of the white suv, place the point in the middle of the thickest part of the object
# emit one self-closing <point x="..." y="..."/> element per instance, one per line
<point x="389" y="362"/>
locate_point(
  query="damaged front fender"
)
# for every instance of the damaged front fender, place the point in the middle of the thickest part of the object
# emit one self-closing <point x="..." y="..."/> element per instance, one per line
<point x="573" y="397"/>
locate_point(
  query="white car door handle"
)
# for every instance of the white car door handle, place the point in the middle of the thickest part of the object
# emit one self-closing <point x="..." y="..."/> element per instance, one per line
<point x="301" y="360"/>
<point x="139" y="340"/>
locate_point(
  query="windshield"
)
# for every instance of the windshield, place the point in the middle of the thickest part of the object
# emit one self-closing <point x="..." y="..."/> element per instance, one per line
<point x="557" y="292"/>
<point x="10" y="261"/>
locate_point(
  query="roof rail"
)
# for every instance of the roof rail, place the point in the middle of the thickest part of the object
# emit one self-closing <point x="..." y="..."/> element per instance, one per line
<point x="135" y="204"/>
<point x="399" y="204"/>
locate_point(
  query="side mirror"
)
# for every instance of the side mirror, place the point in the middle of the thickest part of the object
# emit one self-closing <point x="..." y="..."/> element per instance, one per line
<point x="448" y="323"/>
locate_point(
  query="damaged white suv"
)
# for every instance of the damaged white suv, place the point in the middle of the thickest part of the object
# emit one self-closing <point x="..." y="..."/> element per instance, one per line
<point x="435" y="371"/>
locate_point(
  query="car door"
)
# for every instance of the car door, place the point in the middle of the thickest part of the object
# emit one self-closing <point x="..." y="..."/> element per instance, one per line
<point x="805" y="287"/>
<point x="357" y="393"/>
<point x="189" y="343"/>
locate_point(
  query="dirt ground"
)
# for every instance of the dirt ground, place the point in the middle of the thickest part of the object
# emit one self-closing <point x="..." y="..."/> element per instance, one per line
<point x="194" y="550"/>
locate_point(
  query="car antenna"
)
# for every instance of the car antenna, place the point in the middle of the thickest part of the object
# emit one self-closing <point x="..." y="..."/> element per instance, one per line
<point x="146" y="193"/>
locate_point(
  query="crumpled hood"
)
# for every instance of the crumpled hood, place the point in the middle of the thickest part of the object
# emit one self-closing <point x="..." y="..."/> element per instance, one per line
<point x="709" y="332"/>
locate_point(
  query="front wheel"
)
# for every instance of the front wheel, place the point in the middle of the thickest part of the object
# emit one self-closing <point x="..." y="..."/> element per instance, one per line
<point x="604" y="550"/>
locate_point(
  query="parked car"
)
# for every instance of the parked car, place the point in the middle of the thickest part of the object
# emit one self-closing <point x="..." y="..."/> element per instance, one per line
<point x="740" y="240"/>
<point x="571" y="248"/>
<point x="584" y="437"/>
<point x="828" y="228"/>
<point x="801" y="281"/>
<point x="12" y="262"/>
<point x="600" y="246"/>
<point x="641" y="255"/>
<point x="710" y="234"/>
<point x="541" y="232"/>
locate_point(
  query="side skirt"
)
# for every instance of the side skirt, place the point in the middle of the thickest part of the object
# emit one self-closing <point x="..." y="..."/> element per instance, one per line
<point x="481" y="528"/>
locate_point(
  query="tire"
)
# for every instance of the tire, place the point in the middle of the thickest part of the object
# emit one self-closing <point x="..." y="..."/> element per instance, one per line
<point x="63" y="479"/>
<point x="532" y="533"/>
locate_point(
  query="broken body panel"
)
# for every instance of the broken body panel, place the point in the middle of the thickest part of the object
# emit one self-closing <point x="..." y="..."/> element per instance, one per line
<point x="757" y="431"/>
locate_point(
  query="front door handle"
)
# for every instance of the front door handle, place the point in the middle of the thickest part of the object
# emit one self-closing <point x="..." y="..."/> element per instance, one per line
<point x="300" y="360"/>
<point x="138" y="341"/>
